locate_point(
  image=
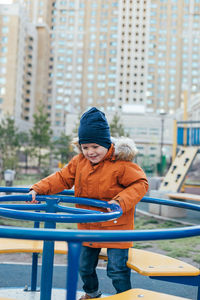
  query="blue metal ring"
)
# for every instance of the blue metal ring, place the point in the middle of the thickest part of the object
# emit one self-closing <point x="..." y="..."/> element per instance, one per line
<point x="98" y="235"/>
<point x="73" y="215"/>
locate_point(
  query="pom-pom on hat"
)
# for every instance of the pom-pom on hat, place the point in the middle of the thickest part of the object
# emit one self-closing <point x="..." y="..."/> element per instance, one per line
<point x="94" y="128"/>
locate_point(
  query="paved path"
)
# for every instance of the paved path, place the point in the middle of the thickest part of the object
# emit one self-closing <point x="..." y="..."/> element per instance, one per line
<point x="18" y="275"/>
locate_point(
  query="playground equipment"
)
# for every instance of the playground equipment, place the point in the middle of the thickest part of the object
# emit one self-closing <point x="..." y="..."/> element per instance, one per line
<point x="187" y="139"/>
<point x="72" y="215"/>
<point x="74" y="238"/>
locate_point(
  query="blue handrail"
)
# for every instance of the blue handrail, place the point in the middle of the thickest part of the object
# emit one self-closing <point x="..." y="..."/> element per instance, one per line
<point x="73" y="215"/>
<point x="98" y="235"/>
<point x="74" y="239"/>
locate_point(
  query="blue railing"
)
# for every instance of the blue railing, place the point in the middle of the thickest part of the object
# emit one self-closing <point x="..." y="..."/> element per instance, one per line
<point x="74" y="238"/>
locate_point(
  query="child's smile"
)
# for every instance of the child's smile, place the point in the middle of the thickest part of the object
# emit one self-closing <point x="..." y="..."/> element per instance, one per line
<point x="94" y="152"/>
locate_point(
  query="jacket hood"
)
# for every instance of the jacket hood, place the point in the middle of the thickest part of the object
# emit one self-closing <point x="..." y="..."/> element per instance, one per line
<point x="124" y="148"/>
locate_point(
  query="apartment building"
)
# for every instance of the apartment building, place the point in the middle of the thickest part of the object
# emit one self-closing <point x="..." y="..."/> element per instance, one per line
<point x="12" y="36"/>
<point x="24" y="61"/>
<point x="174" y="47"/>
<point x="84" y="42"/>
<point x="133" y="57"/>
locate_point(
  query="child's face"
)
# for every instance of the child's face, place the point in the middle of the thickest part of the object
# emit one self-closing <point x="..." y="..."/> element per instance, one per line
<point x="93" y="152"/>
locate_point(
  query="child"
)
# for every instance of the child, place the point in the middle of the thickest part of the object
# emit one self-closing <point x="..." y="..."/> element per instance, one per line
<point x="105" y="171"/>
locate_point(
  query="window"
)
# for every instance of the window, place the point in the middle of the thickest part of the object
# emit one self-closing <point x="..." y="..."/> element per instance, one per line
<point x="90" y="60"/>
<point x="63" y="11"/>
<point x="92" y="21"/>
<point x="4" y="39"/>
<point x="2" y="91"/>
<point x="90" y="76"/>
<point x="101" y="85"/>
<point x="4" y="29"/>
<point x="3" y="60"/>
<point x="90" y="84"/>
<point x="89" y="92"/>
<point x="5" y="19"/>
<point x="2" y="70"/>
<point x="4" y="49"/>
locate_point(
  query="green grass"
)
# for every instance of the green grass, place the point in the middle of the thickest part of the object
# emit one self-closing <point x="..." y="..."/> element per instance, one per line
<point x="177" y="248"/>
<point x="23" y="180"/>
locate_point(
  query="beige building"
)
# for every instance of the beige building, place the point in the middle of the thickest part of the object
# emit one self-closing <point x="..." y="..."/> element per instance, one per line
<point x="174" y="47"/>
<point x="24" y="62"/>
<point x="11" y="57"/>
<point x="132" y="56"/>
<point x="84" y="43"/>
<point x="100" y="57"/>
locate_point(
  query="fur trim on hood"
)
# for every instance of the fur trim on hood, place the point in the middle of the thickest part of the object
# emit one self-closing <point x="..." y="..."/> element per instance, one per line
<point x="125" y="148"/>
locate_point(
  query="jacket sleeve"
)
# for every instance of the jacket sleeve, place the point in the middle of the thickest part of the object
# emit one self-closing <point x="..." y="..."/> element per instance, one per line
<point x="135" y="184"/>
<point x="57" y="182"/>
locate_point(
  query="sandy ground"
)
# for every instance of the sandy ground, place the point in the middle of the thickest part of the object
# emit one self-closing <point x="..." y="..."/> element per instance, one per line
<point x="61" y="259"/>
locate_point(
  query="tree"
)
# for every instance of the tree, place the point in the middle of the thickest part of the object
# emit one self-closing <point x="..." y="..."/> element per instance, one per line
<point x="9" y="144"/>
<point x="41" y="135"/>
<point x="116" y="127"/>
<point x="76" y="126"/>
<point x="63" y="150"/>
<point x="25" y="149"/>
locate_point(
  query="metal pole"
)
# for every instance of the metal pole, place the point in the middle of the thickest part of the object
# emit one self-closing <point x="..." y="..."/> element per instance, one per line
<point x="47" y="270"/>
<point x="74" y="250"/>
<point x="34" y="272"/>
<point x="47" y="258"/>
<point x="185" y="117"/>
<point x="34" y="265"/>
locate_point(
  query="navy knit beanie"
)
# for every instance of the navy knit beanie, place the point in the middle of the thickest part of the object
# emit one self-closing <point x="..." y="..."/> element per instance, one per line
<point x="94" y="128"/>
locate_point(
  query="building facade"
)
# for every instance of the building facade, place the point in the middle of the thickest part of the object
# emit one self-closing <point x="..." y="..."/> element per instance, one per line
<point x="133" y="57"/>
<point x="174" y="47"/>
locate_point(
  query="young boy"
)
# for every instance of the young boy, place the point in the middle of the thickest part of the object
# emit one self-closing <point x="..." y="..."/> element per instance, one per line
<point x="102" y="170"/>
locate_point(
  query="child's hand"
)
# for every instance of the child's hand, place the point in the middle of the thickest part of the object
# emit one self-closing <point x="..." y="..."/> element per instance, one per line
<point x="112" y="202"/>
<point x="33" y="193"/>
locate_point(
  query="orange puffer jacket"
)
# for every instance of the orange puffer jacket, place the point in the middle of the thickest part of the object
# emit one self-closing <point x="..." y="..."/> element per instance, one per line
<point x="115" y="177"/>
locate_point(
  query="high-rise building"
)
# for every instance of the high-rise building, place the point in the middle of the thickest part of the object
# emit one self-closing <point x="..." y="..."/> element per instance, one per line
<point x="174" y="53"/>
<point x="13" y="25"/>
<point x="24" y="60"/>
<point x="132" y="55"/>
<point x="84" y="44"/>
<point x="135" y="56"/>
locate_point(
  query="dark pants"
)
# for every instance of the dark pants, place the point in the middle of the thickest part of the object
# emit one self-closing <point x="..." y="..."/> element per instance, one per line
<point x="116" y="269"/>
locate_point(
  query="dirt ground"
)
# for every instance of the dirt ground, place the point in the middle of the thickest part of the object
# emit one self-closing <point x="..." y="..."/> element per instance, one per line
<point x="26" y="258"/>
<point x="61" y="259"/>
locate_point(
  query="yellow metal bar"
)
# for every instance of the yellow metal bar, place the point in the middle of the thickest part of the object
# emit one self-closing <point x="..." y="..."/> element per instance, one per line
<point x="185" y="117"/>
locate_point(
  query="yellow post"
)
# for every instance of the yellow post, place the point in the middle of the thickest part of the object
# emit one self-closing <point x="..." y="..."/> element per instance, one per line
<point x="174" y="141"/>
<point x="185" y="117"/>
